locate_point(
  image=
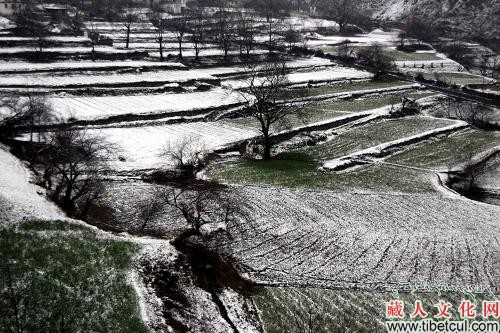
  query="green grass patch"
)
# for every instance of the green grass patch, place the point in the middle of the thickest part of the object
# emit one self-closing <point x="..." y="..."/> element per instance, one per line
<point x="327" y="110"/>
<point x="341" y="310"/>
<point x="457" y="78"/>
<point x="344" y="87"/>
<point x="374" y="134"/>
<point x="448" y="151"/>
<point x="66" y="279"/>
<point x="303" y="172"/>
<point x="37" y="225"/>
<point x="412" y="56"/>
<point x="395" y="55"/>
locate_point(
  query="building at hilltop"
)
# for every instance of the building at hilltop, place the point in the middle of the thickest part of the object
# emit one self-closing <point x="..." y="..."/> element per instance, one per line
<point x="170" y="6"/>
<point x="9" y="7"/>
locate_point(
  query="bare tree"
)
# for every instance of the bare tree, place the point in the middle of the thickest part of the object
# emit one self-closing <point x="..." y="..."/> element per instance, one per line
<point x="272" y="10"/>
<point x="200" y="203"/>
<point x="31" y="22"/>
<point x="341" y="11"/>
<point x="129" y="17"/>
<point x="159" y="21"/>
<point x="269" y="100"/>
<point x="187" y="154"/>
<point x="198" y="32"/>
<point x="180" y="26"/>
<point x="292" y="37"/>
<point x="149" y="209"/>
<point x="344" y="51"/>
<point x="375" y="57"/>
<point x="75" y="21"/>
<point x="473" y="113"/>
<point x="246" y="32"/>
<point x="224" y="28"/>
<point x="24" y="113"/>
<point x="74" y="167"/>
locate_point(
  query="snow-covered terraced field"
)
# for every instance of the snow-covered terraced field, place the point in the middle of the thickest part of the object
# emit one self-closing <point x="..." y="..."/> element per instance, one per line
<point x="140" y="147"/>
<point x="65" y="50"/>
<point x="91" y="108"/>
<point x="387" y="148"/>
<point x="319" y="75"/>
<point x="376" y="36"/>
<point x="10" y="66"/>
<point x="360" y="138"/>
<point x="316" y="238"/>
<point x="58" y="81"/>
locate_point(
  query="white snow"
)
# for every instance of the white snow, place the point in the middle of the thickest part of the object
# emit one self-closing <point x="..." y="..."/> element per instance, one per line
<point x="10" y="66"/>
<point x="319" y="75"/>
<point x="20" y="199"/>
<point x="141" y="146"/>
<point x="48" y="80"/>
<point x="88" y="108"/>
<point x="65" y="50"/>
<point x="363" y="154"/>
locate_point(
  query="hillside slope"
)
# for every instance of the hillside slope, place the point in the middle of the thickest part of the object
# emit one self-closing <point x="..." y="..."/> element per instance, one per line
<point x="481" y="17"/>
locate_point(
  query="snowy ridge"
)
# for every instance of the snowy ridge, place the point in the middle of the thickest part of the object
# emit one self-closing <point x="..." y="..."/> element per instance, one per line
<point x="19" y="199"/>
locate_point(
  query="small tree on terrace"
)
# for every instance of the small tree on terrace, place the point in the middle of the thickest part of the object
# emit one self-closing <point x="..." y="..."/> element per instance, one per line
<point x="246" y="32"/>
<point x="198" y="32"/>
<point x="224" y="26"/>
<point x="268" y="100"/>
<point x="180" y="26"/>
<point x="157" y="18"/>
<point x="292" y="37"/>
<point x="129" y="17"/>
<point x="375" y="57"/>
<point x="272" y="10"/>
<point x="187" y="155"/>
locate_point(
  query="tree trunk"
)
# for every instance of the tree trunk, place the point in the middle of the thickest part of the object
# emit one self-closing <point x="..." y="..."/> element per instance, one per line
<point x="267" y="147"/>
<point x="180" y="48"/>
<point x="67" y="202"/>
<point x="161" y="52"/>
<point x="128" y="37"/>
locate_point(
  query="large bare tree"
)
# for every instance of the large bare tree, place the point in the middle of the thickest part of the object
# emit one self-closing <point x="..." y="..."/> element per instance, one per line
<point x="269" y="101"/>
<point x="74" y="166"/>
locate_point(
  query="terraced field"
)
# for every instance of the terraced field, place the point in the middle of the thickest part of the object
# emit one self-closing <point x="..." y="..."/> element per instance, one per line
<point x="140" y="147"/>
<point x="374" y="134"/>
<point x="92" y="108"/>
<point x="441" y="154"/>
<point x="346" y="87"/>
<point x="318" y="238"/>
<point x="300" y="168"/>
<point x="458" y="78"/>
<point x="337" y="310"/>
<point x="327" y="110"/>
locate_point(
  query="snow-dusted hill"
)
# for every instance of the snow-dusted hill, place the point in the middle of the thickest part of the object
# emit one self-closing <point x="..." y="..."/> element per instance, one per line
<point x="481" y="16"/>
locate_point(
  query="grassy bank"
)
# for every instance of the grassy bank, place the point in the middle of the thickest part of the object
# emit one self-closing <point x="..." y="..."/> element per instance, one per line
<point x="57" y="276"/>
